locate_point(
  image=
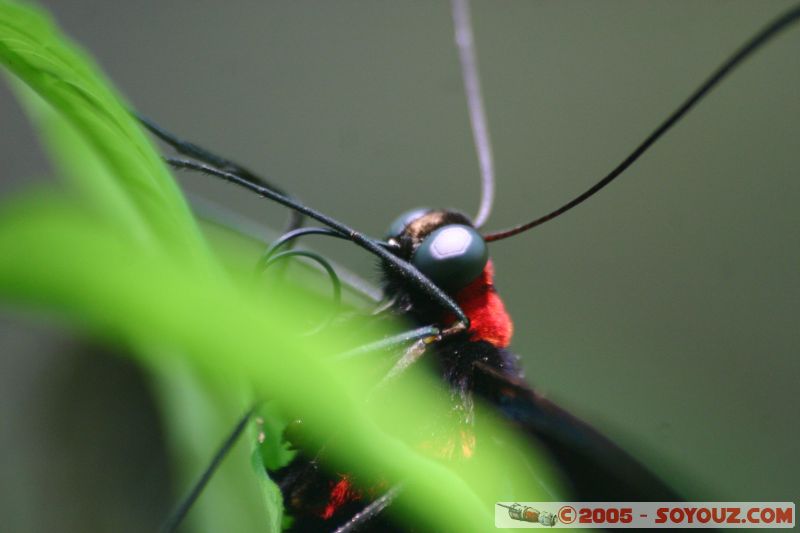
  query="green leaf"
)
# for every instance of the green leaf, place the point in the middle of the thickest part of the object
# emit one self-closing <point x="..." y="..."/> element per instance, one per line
<point x="273" y="499"/>
<point x="147" y="201"/>
<point x="74" y="159"/>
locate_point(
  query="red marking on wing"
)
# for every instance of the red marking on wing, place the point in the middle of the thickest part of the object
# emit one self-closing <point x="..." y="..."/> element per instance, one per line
<point x="489" y="320"/>
<point x="342" y="493"/>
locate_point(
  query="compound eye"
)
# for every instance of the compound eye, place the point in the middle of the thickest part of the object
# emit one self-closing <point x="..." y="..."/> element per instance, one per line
<point x="452" y="256"/>
<point x="400" y="223"/>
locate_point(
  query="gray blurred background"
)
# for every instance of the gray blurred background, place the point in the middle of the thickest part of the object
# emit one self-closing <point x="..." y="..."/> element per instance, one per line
<point x="665" y="310"/>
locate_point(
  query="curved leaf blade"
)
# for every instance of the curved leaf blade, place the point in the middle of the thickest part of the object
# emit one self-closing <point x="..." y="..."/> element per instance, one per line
<point x="34" y="50"/>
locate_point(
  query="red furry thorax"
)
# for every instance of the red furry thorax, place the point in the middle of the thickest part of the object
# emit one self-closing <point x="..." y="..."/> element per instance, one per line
<point x="489" y="320"/>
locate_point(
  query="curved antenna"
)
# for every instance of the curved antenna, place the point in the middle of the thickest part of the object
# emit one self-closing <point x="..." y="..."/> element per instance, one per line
<point x="287" y="238"/>
<point x="402" y="268"/>
<point x="761" y="38"/>
<point x="270" y="259"/>
<point x="242" y="227"/>
<point x="465" y="41"/>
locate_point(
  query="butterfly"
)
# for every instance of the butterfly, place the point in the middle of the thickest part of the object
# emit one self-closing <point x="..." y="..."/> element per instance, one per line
<point x="533" y="325"/>
<point x="437" y="274"/>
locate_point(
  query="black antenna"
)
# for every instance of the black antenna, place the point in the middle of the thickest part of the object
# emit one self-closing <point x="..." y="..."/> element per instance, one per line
<point x="761" y="38"/>
<point x="403" y="268"/>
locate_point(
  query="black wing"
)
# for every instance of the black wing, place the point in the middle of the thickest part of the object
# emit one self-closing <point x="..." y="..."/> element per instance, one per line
<point x="595" y="467"/>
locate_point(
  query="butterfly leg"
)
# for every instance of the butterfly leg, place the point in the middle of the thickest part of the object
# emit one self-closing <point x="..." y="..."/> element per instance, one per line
<point x="175" y="519"/>
<point x="370" y="511"/>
